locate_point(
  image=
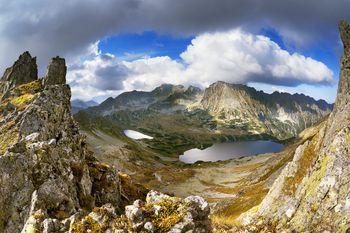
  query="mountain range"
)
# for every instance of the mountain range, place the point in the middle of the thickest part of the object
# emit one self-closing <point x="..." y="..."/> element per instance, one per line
<point x="191" y="117"/>
<point x="78" y="105"/>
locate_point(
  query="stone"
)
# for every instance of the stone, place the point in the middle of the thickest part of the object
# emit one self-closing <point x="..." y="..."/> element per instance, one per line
<point x="134" y="213"/>
<point x="24" y="70"/>
<point x="199" y="203"/>
<point x="149" y="227"/>
<point x="155" y="196"/>
<point x="56" y="72"/>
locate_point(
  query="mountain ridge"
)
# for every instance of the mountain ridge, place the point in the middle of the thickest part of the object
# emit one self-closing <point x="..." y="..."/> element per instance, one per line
<point x="281" y="115"/>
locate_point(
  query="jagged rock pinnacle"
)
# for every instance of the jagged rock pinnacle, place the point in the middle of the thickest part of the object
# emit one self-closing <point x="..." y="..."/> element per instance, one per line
<point x="24" y="70"/>
<point x="344" y="81"/>
<point x="56" y="72"/>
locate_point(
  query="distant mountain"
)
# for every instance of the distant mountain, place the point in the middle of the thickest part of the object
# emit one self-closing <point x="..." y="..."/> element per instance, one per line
<point x="180" y="118"/>
<point x="78" y="105"/>
<point x="142" y="100"/>
<point x="280" y="114"/>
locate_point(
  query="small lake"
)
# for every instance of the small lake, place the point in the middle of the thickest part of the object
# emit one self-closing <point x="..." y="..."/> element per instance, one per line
<point x="136" y="135"/>
<point x="230" y="150"/>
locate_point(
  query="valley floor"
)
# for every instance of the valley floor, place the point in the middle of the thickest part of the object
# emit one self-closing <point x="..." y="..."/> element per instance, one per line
<point x="232" y="187"/>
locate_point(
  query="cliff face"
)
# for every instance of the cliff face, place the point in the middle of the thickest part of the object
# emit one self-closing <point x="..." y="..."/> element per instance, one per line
<point x="313" y="191"/>
<point x="49" y="181"/>
<point x="280" y="114"/>
<point x="46" y="170"/>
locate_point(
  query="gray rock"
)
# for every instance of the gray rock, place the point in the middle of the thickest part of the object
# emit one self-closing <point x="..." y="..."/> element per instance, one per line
<point x="56" y="72"/>
<point x="155" y="196"/>
<point x="24" y="70"/>
<point x="134" y="214"/>
<point x="149" y="227"/>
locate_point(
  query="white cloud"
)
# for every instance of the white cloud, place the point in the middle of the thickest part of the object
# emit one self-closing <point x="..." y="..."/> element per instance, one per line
<point x="233" y="56"/>
<point x="239" y="57"/>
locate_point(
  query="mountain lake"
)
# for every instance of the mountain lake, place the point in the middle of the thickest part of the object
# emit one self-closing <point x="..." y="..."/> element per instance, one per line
<point x="230" y="150"/>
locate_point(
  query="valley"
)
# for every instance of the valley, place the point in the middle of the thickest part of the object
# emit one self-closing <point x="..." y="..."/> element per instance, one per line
<point x="175" y="120"/>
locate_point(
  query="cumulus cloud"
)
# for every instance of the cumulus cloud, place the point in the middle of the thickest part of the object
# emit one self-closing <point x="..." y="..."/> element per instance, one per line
<point x="239" y="57"/>
<point x="50" y="28"/>
<point x="233" y="56"/>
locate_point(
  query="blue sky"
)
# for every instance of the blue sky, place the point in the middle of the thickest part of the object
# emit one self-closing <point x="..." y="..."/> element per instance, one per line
<point x="144" y="43"/>
<point x="148" y="43"/>
<point x="133" y="46"/>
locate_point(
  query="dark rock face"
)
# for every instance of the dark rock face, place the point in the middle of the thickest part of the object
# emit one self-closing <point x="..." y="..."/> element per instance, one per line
<point x="24" y="70"/>
<point x="56" y="72"/>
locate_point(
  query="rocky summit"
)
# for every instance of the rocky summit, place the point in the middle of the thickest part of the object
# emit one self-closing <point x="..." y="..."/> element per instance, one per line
<point x="51" y="182"/>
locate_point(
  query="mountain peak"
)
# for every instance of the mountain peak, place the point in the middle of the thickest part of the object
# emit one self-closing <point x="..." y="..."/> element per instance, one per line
<point x="24" y="70"/>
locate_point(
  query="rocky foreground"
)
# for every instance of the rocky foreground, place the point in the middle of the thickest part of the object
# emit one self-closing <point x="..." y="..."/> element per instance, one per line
<point x="51" y="182"/>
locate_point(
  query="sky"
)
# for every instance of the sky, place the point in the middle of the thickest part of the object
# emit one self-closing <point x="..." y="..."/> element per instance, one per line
<point x="112" y="46"/>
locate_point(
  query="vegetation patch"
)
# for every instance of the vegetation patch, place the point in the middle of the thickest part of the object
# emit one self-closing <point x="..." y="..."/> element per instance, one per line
<point x="305" y="162"/>
<point x="8" y="137"/>
<point x="247" y="197"/>
<point x="20" y="102"/>
<point x="171" y="211"/>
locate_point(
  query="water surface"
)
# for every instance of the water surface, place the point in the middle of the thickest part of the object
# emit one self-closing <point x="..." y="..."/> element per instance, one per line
<point x="136" y="135"/>
<point x="230" y="150"/>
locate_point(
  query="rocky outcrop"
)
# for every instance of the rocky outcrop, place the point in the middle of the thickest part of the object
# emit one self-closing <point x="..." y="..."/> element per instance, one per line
<point x="312" y="193"/>
<point x="159" y="213"/>
<point x="50" y="181"/>
<point x="56" y="72"/>
<point x="46" y="170"/>
<point x="24" y="70"/>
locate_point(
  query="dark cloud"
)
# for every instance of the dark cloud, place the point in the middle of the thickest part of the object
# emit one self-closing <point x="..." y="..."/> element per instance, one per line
<point x="66" y="28"/>
<point x="111" y="77"/>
